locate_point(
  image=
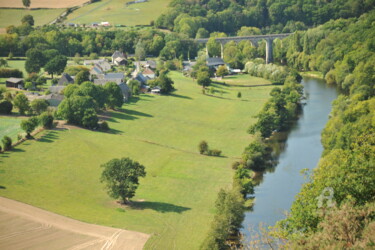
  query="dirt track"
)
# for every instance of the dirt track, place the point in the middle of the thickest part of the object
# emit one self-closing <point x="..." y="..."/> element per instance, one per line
<point x="26" y="227"/>
<point x="53" y="4"/>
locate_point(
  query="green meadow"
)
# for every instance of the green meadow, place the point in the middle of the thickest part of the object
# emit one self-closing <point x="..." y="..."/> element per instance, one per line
<point x="60" y="170"/>
<point x="10" y="126"/>
<point x="116" y="12"/>
<point x="244" y="80"/>
<point x="41" y="17"/>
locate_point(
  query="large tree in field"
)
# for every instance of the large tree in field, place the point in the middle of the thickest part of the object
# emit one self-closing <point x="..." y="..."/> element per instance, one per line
<point x="28" y="19"/>
<point x="35" y="60"/>
<point x="26" y="3"/>
<point x="121" y="177"/>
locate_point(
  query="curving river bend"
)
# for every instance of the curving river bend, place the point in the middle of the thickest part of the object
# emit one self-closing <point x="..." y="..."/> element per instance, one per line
<point x="300" y="150"/>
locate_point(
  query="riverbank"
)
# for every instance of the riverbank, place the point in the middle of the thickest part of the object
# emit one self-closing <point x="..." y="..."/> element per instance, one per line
<point x="298" y="150"/>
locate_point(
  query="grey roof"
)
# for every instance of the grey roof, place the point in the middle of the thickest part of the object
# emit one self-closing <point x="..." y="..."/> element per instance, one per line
<point x="96" y="70"/>
<point x="91" y="62"/>
<point x="215" y="61"/>
<point x="114" y="76"/>
<point x="52" y="96"/>
<point x="151" y="63"/>
<point x="141" y="78"/>
<point x="65" y="79"/>
<point x="124" y="87"/>
<point x="14" y="80"/>
<point x="104" y="81"/>
<point x="118" y="54"/>
<point x="56" y="89"/>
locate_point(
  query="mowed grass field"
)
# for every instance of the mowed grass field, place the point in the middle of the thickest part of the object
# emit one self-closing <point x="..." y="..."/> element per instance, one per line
<point x="42" y="3"/>
<point x="116" y="12"/>
<point x="244" y="80"/>
<point x="13" y="16"/>
<point x="10" y="126"/>
<point x="175" y="202"/>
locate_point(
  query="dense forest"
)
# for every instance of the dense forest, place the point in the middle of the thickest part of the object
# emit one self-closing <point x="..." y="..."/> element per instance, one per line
<point x="199" y="18"/>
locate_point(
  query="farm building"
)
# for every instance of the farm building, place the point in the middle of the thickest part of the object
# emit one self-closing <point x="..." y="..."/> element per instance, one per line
<point x="14" y="83"/>
<point x="149" y="73"/>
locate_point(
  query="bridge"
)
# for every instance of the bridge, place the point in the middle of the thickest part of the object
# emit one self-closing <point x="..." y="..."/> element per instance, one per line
<point x="253" y="39"/>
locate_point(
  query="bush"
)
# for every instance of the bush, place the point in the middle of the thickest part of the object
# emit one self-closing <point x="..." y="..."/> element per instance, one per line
<point x="46" y="120"/>
<point x="104" y="126"/>
<point x="214" y="152"/>
<point x="203" y="147"/>
<point x="6" y="72"/>
<point x="39" y="105"/>
<point x="6" y="107"/>
<point x="235" y="165"/>
<point x="7" y="143"/>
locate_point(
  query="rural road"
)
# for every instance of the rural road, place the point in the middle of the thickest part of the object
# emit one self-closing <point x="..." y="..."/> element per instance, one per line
<point x="26" y="227"/>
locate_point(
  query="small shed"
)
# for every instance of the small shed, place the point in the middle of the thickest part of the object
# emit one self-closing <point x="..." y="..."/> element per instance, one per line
<point x="214" y="62"/>
<point x="14" y="83"/>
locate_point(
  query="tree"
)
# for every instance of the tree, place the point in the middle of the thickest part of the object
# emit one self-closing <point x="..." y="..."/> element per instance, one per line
<point x="222" y="71"/>
<point x="46" y="120"/>
<point x="26" y="3"/>
<point x="115" y="97"/>
<point x="35" y="60"/>
<point x="6" y="107"/>
<point x="134" y="86"/>
<point x="203" y="78"/>
<point x="7" y="143"/>
<point x="90" y="119"/>
<point x="22" y="103"/>
<point x="39" y="105"/>
<point x="82" y="76"/>
<point x="140" y="52"/>
<point x="73" y="108"/>
<point x="203" y="147"/>
<point x="164" y="82"/>
<point x="28" y="19"/>
<point x="121" y="177"/>
<point x="56" y="65"/>
<point x="28" y="126"/>
<point x="239" y="95"/>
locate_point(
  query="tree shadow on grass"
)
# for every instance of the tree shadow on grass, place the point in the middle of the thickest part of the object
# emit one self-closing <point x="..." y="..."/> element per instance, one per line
<point x="2" y="187"/>
<point x="51" y="136"/>
<point x="181" y="96"/>
<point x="160" y="207"/>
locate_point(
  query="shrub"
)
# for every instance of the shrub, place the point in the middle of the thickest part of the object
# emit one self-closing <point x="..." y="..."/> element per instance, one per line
<point x="46" y="120"/>
<point x="214" y="152"/>
<point x="6" y="107"/>
<point x="39" y="105"/>
<point x="104" y="126"/>
<point x="203" y="147"/>
<point x="6" y="72"/>
<point x="235" y="165"/>
<point x="7" y="143"/>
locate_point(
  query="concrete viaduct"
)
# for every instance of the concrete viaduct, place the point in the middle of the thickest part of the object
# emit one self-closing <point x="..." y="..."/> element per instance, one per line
<point x="253" y="39"/>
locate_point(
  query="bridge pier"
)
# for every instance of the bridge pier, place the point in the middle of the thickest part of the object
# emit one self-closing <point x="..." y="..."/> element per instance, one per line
<point x="222" y="50"/>
<point x="269" y="50"/>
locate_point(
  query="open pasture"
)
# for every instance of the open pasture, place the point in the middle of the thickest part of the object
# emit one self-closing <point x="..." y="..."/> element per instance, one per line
<point x="50" y="4"/>
<point x="60" y="170"/>
<point x="116" y="12"/>
<point x="13" y="16"/>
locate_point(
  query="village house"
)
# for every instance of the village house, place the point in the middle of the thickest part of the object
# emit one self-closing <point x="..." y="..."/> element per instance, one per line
<point x="118" y="57"/>
<point x="149" y="73"/>
<point x="65" y="80"/>
<point x="117" y="78"/>
<point x="214" y="62"/>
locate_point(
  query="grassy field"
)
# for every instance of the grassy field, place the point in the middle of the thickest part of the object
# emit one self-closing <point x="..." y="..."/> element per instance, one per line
<point x="42" y="3"/>
<point x="115" y="12"/>
<point x="10" y="126"/>
<point x="244" y="80"/>
<point x="175" y="202"/>
<point x="14" y="16"/>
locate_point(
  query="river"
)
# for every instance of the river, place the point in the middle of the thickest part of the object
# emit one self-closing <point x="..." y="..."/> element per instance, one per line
<point x="301" y="150"/>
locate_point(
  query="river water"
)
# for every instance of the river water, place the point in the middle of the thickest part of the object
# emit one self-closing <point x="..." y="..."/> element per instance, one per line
<point x="301" y="149"/>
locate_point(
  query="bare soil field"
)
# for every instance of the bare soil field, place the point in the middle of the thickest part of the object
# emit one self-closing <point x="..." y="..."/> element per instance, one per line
<point x="53" y="4"/>
<point x="26" y="227"/>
